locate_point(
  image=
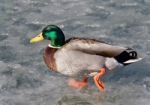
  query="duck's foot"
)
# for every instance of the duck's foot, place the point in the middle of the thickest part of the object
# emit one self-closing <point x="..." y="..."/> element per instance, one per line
<point x="78" y="84"/>
<point x="98" y="82"/>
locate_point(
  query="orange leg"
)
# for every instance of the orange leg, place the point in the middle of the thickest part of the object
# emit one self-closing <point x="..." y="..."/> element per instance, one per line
<point x="98" y="82"/>
<point x="78" y="84"/>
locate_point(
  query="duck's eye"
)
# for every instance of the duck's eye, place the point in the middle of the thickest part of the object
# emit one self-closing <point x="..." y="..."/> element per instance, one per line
<point x="45" y="35"/>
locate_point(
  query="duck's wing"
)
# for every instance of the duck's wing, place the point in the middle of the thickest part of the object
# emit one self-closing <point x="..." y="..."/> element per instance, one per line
<point x="93" y="47"/>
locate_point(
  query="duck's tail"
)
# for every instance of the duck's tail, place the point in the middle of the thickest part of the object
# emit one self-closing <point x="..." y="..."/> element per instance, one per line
<point x="128" y="56"/>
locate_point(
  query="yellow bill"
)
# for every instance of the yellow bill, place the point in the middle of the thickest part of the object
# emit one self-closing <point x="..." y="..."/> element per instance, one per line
<point x="37" y="38"/>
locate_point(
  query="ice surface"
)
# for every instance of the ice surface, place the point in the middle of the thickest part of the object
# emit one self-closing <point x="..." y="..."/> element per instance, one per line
<point x="24" y="78"/>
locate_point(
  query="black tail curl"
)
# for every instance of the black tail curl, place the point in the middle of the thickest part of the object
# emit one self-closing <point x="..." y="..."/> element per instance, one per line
<point x="126" y="55"/>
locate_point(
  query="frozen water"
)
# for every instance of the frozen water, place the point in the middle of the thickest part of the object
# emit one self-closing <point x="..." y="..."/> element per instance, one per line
<point x="24" y="78"/>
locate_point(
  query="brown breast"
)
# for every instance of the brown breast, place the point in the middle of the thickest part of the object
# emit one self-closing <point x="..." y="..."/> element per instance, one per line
<point x="49" y="58"/>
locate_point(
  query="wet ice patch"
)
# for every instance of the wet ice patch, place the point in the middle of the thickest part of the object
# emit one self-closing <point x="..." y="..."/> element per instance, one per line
<point x="3" y="37"/>
<point x="7" y="53"/>
<point x="73" y="100"/>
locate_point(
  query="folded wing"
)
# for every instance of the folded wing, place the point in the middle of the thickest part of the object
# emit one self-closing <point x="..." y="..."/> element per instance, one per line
<point x="93" y="47"/>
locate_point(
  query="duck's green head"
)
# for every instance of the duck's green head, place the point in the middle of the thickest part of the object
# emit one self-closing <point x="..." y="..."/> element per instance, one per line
<point x="52" y="33"/>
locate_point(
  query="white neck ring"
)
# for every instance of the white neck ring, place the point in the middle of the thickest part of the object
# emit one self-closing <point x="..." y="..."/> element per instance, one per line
<point x="49" y="45"/>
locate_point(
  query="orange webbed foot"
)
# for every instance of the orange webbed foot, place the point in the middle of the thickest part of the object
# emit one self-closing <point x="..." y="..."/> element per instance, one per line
<point x="98" y="82"/>
<point x="78" y="84"/>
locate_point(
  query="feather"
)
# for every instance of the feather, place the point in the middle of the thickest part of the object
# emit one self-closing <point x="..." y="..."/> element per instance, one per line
<point x="93" y="47"/>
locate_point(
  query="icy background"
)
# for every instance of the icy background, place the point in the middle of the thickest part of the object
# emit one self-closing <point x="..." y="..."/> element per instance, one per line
<point x="24" y="78"/>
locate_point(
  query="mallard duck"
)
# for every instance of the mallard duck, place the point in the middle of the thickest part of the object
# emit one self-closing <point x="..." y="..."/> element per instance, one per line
<point x="82" y="57"/>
